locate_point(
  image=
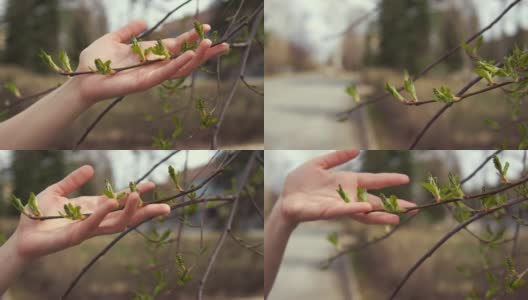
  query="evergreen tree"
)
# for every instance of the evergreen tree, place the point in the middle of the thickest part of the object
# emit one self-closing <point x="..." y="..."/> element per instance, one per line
<point x="31" y="24"/>
<point x="405" y="26"/>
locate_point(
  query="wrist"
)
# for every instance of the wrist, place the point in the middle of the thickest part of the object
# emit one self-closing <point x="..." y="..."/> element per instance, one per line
<point x="73" y="88"/>
<point x="283" y="218"/>
<point x="15" y="257"/>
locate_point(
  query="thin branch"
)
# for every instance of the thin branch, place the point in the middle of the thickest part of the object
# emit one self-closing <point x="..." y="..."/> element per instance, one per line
<point x="227" y="229"/>
<point x="156" y="166"/>
<point x="254" y="29"/>
<point x="480" y="167"/>
<point x="465" y="198"/>
<point x="447" y="237"/>
<point x="426" y="70"/>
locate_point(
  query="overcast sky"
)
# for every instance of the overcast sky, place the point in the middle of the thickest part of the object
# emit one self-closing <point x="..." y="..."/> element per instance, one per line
<point x="310" y="21"/>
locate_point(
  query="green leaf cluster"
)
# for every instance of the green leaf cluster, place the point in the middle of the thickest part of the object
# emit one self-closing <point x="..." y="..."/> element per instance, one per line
<point x="159" y="49"/>
<point x="184" y="273"/>
<point x="433" y="188"/>
<point x="207" y="120"/>
<point x="72" y="212"/>
<point x="32" y="205"/>
<point x="473" y="51"/>
<point x="103" y="68"/>
<point x="137" y="49"/>
<point x="502" y="170"/>
<point x="198" y="27"/>
<point x="109" y="191"/>
<point x="390" y="204"/>
<point x="48" y="60"/>
<point x="444" y="95"/>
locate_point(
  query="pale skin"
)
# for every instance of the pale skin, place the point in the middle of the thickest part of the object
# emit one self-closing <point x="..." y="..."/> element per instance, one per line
<point x="39" y="126"/>
<point x="309" y="194"/>
<point x="33" y="239"/>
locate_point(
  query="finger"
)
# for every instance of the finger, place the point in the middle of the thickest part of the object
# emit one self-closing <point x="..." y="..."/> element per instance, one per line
<point x="381" y="180"/>
<point x="378" y="204"/>
<point x="378" y="218"/>
<point x="217" y="50"/>
<point x="145" y="77"/>
<point x="334" y="159"/>
<point x="85" y="229"/>
<point x="125" y="33"/>
<point x="346" y="209"/>
<point x="122" y="219"/>
<point x="210" y="53"/>
<point x="196" y="61"/>
<point x="73" y="181"/>
<point x="174" y="45"/>
<point x="148" y="212"/>
<point x="141" y="188"/>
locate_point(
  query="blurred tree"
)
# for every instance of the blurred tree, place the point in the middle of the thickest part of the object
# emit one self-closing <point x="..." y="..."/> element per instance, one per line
<point x="369" y="55"/>
<point x="451" y="38"/>
<point x="33" y="171"/>
<point x="31" y="24"/>
<point x="405" y="27"/>
<point x="390" y="161"/>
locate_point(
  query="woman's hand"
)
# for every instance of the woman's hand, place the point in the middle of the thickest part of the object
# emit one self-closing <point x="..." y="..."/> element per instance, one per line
<point x="309" y="192"/>
<point x="34" y="238"/>
<point x="114" y="46"/>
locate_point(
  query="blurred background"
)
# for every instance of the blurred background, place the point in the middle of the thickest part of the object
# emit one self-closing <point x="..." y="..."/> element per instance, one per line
<point x="130" y="266"/>
<point x="316" y="49"/>
<point x="451" y="273"/>
<point x="54" y="25"/>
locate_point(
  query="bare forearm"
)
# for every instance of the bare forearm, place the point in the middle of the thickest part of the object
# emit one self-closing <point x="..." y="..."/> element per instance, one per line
<point x="277" y="231"/>
<point x="39" y="126"/>
<point x="12" y="265"/>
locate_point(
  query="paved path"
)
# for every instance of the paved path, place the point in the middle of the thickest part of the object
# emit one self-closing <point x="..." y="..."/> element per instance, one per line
<point x="300" y="113"/>
<point x="300" y="276"/>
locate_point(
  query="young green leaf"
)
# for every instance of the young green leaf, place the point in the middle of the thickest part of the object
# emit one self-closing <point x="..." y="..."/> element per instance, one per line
<point x="33" y="206"/>
<point x="409" y="87"/>
<point x="65" y="61"/>
<point x="137" y="49"/>
<point x="352" y="91"/>
<point x="454" y="189"/>
<point x="109" y="191"/>
<point x="333" y="238"/>
<point x="132" y="186"/>
<point x="445" y="95"/>
<point x="103" y="68"/>
<point x="175" y="177"/>
<point x="343" y="194"/>
<point x="394" y="92"/>
<point x="214" y="37"/>
<point x="48" y="60"/>
<point x="362" y="194"/>
<point x="11" y="87"/>
<point x="198" y="27"/>
<point x="17" y="204"/>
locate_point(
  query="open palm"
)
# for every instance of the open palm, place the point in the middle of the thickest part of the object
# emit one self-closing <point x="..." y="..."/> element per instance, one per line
<point x="310" y="191"/>
<point x="114" y="47"/>
<point x="36" y="238"/>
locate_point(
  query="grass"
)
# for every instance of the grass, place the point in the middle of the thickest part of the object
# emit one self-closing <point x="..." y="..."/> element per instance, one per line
<point x="238" y="273"/>
<point x="461" y="127"/>
<point x="126" y="127"/>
